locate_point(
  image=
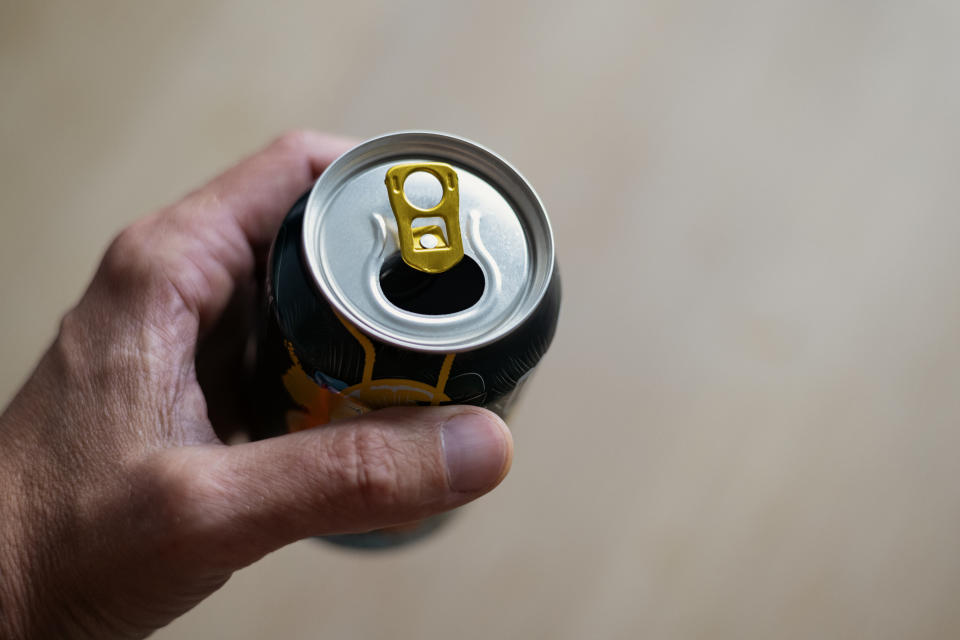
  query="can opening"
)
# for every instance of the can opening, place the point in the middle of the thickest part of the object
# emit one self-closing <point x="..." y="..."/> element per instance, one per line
<point x="432" y="294"/>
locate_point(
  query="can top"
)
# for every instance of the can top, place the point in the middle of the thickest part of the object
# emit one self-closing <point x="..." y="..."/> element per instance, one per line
<point x="350" y="232"/>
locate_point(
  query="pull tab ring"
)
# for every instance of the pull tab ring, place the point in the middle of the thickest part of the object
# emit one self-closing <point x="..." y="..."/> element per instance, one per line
<point x="425" y="248"/>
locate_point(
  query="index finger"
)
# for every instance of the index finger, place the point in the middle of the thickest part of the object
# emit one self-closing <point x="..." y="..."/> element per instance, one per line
<point x="256" y="193"/>
<point x="195" y="252"/>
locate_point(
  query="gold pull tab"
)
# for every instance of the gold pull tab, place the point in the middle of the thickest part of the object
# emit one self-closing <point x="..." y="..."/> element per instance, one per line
<point x="425" y="248"/>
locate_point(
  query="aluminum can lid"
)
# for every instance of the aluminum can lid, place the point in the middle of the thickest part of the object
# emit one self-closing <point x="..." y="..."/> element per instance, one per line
<point x="350" y="231"/>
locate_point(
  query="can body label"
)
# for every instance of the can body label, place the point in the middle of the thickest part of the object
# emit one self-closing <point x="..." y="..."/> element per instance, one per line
<point x="321" y="398"/>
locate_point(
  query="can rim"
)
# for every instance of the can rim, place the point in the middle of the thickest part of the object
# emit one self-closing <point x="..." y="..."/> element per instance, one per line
<point x="327" y="183"/>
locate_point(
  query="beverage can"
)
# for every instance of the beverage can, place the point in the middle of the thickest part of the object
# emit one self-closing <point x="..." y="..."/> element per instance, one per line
<point x="419" y="270"/>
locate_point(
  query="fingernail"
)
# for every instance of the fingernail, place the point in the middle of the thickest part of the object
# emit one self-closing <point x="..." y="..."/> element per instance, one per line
<point x="475" y="450"/>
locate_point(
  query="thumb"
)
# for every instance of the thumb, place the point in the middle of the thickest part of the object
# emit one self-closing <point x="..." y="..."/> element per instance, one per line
<point x="389" y="467"/>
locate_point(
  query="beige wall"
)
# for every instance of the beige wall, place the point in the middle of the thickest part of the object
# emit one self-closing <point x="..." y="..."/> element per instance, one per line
<point x="748" y="425"/>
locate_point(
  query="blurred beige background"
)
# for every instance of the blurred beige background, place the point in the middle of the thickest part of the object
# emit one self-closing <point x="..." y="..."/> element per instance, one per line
<point x="748" y="424"/>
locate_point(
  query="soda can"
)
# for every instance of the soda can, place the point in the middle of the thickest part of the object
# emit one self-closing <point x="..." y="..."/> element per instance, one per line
<point x="418" y="270"/>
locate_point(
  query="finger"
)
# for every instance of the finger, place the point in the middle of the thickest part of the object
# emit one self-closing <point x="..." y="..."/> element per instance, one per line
<point x="224" y="364"/>
<point x="201" y="247"/>
<point x="393" y="466"/>
<point x="257" y="192"/>
<point x="236" y="215"/>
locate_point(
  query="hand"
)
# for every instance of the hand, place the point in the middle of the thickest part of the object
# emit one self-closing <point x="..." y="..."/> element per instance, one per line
<point x="120" y="507"/>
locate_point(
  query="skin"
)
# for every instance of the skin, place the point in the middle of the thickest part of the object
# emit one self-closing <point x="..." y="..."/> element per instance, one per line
<point x="121" y="507"/>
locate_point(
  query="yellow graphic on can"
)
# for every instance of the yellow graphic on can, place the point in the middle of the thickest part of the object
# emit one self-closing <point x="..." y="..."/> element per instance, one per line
<point x="320" y="404"/>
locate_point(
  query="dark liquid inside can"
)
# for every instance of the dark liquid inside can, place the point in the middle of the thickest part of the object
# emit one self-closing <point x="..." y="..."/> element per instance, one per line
<point x="432" y="294"/>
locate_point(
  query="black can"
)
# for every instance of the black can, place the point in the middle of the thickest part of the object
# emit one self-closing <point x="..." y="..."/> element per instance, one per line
<point x="376" y="296"/>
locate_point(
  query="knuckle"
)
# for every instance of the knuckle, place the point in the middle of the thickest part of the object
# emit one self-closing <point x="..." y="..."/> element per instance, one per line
<point x="127" y="261"/>
<point x="70" y="331"/>
<point x="295" y="139"/>
<point x="370" y="466"/>
<point x="196" y="508"/>
<point x="181" y="506"/>
<point x="71" y="345"/>
<point x="179" y="492"/>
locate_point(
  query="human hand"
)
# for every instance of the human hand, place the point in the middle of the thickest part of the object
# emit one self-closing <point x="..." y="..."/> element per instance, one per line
<point x="121" y="508"/>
